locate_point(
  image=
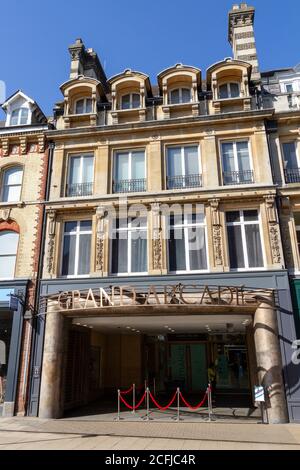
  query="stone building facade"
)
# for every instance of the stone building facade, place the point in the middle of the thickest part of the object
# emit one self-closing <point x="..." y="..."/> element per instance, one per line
<point x="23" y="172"/>
<point x="163" y="245"/>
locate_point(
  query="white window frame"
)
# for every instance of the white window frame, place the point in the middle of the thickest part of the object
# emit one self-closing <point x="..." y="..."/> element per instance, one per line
<point x="182" y="147"/>
<point x="129" y="153"/>
<point x="185" y="226"/>
<point x="229" y="97"/>
<point x="242" y="224"/>
<point x="129" y="229"/>
<point x="19" y="116"/>
<point x="130" y="101"/>
<point x="82" y="156"/>
<point x="77" y="235"/>
<point x="180" y="95"/>
<point x="11" y="254"/>
<point x="11" y="185"/>
<point x="235" y="156"/>
<point x="84" y="106"/>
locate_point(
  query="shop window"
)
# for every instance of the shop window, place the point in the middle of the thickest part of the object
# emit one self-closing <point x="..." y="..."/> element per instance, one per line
<point x="76" y="256"/>
<point x="183" y="167"/>
<point x="129" y="246"/>
<point x="187" y="247"/>
<point x="12" y="184"/>
<point x="244" y="240"/>
<point x="8" y="253"/>
<point x="129" y="172"/>
<point x="80" y="175"/>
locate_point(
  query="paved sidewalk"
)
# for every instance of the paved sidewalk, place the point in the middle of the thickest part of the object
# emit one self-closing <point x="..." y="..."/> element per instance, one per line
<point x="38" y="434"/>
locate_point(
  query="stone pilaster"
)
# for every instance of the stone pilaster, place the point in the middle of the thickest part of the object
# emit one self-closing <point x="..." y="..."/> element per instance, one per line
<point x="274" y="230"/>
<point x="156" y="239"/>
<point x="216" y="232"/>
<point x="100" y="237"/>
<point x="51" y="242"/>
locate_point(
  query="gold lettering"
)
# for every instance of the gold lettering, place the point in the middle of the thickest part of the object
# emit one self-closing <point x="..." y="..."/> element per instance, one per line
<point x="90" y="297"/>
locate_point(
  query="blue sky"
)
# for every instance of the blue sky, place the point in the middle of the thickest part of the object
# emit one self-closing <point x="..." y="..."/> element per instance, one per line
<point x="145" y="36"/>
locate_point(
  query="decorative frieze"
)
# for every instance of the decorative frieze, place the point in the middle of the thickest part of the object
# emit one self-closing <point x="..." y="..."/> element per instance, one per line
<point x="5" y="146"/>
<point x="216" y="231"/>
<point x="51" y="241"/>
<point x="41" y="143"/>
<point x="23" y="145"/>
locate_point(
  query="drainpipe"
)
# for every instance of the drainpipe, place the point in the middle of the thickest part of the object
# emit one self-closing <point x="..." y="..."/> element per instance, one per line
<point x="40" y="264"/>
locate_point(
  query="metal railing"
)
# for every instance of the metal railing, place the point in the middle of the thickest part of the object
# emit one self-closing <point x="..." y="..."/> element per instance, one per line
<point x="187" y="181"/>
<point x="238" y="177"/>
<point x="79" y="189"/>
<point x="292" y="175"/>
<point x="129" y="186"/>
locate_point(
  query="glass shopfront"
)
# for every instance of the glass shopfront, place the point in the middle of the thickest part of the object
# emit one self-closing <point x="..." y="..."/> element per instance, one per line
<point x="6" y="319"/>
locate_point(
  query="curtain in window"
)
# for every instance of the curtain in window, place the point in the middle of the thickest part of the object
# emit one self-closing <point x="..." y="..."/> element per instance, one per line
<point x="8" y="251"/>
<point x="84" y="254"/>
<point x="136" y="100"/>
<point x="138" y="165"/>
<point x="126" y="102"/>
<point x="119" y="253"/>
<point x="223" y="91"/>
<point x="174" y="161"/>
<point x="191" y="160"/>
<point x="290" y="156"/>
<point x="88" y="169"/>
<point x="121" y="168"/>
<point x="12" y="182"/>
<point x="234" y="90"/>
<point x="197" y="248"/>
<point x="139" y="252"/>
<point x="74" y="177"/>
<point x="175" y="99"/>
<point x="24" y="116"/>
<point x="243" y="156"/>
<point x="236" y="254"/>
<point x="186" y="95"/>
<point x="79" y="107"/>
<point x="68" y="261"/>
<point x="14" y="117"/>
<point x="228" y="162"/>
<point x="254" y="249"/>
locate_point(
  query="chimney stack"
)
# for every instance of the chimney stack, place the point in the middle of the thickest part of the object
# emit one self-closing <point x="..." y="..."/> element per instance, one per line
<point x="241" y="36"/>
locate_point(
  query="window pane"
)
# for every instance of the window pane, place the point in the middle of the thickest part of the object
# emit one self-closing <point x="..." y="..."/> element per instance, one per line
<point x="289" y="88"/>
<point x="88" y="105"/>
<point x="234" y="90"/>
<point x="88" y="169"/>
<point x="233" y="216"/>
<point x="121" y="169"/>
<point x="13" y="176"/>
<point x="191" y="160"/>
<point x="135" y="100"/>
<point x="119" y="255"/>
<point x="185" y="95"/>
<point x="228" y="162"/>
<point x="74" y="176"/>
<point x="197" y="218"/>
<point x="243" y="157"/>
<point x="250" y="216"/>
<point x="174" y="161"/>
<point x="197" y="248"/>
<point x="12" y="184"/>
<point x="175" y="96"/>
<point x="79" y="107"/>
<point x="289" y="155"/>
<point x="139" y="253"/>
<point x="14" y="117"/>
<point x="137" y="165"/>
<point x="85" y="225"/>
<point x="236" y="254"/>
<point x="8" y="242"/>
<point x="84" y="260"/>
<point x="177" y="261"/>
<point x="125" y="102"/>
<point x="254" y="249"/>
<point x="68" y="261"/>
<point x="223" y="91"/>
<point x="70" y="227"/>
<point x="7" y="266"/>
<point x="24" y="116"/>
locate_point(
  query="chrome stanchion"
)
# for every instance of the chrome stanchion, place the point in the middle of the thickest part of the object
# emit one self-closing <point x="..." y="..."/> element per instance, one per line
<point x="154" y="387"/>
<point x="133" y="399"/>
<point x="178" y="404"/>
<point x="209" y="403"/>
<point x="118" y="417"/>
<point x="147" y="404"/>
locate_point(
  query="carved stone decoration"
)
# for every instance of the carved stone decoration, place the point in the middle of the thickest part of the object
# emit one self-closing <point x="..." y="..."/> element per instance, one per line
<point x="5" y="214"/>
<point x="23" y="145"/>
<point x="5" y="147"/>
<point x="286" y="241"/>
<point x="275" y="243"/>
<point x="216" y="231"/>
<point x="271" y="208"/>
<point x="100" y="217"/>
<point x="51" y="242"/>
<point x="156" y="243"/>
<point x="41" y="141"/>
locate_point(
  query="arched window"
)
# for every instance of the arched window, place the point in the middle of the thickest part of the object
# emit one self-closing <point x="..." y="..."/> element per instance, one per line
<point x="84" y="106"/>
<point x="180" y="95"/>
<point x="229" y="90"/>
<point x="8" y="253"/>
<point x="12" y="184"/>
<point x="130" y="101"/>
<point x="19" y="117"/>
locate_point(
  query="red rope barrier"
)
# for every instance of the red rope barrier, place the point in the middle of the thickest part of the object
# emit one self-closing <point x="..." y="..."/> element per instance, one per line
<point x="163" y="408"/>
<point x="131" y="407"/>
<point x="197" y="406"/>
<point x="125" y="392"/>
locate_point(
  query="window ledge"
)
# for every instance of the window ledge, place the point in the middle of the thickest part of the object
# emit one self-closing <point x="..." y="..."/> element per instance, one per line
<point x="181" y="105"/>
<point x="231" y="100"/>
<point x="12" y="204"/>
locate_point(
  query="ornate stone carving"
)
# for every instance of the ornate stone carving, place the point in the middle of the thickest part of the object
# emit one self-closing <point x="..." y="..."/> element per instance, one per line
<point x="274" y="233"/>
<point x="5" y="214"/>
<point x="156" y="243"/>
<point x="286" y="241"/>
<point x="5" y="146"/>
<point x="100" y="217"/>
<point x="51" y="241"/>
<point x="41" y="141"/>
<point x="216" y="231"/>
<point x="23" y="145"/>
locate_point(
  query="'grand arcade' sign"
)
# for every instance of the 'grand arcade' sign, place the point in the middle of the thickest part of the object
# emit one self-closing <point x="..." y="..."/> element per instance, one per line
<point x="168" y="295"/>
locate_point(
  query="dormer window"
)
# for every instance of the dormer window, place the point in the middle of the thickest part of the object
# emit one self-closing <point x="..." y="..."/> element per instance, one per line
<point x="84" y="106"/>
<point x="19" y="117"/>
<point x="229" y="90"/>
<point x="180" y="95"/>
<point x="130" y="101"/>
